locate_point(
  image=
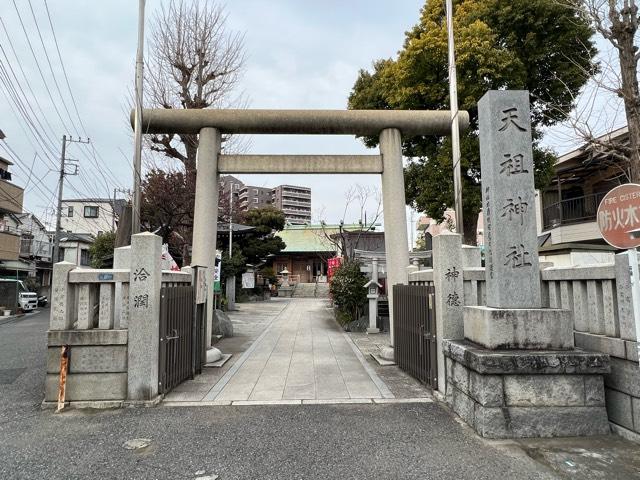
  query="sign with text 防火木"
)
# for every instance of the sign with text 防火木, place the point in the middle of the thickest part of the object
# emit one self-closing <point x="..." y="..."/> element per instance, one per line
<point x="619" y="216"/>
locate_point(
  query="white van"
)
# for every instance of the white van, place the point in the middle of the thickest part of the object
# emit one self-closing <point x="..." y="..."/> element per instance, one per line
<point x="27" y="300"/>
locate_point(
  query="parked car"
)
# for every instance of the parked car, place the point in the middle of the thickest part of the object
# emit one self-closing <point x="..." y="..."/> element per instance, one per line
<point x="26" y="300"/>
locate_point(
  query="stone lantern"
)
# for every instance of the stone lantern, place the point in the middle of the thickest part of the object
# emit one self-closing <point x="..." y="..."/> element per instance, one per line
<point x="373" y="287"/>
<point x="285" y="277"/>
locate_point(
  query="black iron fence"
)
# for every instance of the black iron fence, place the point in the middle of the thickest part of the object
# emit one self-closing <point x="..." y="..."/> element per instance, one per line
<point x="414" y="316"/>
<point x="181" y="336"/>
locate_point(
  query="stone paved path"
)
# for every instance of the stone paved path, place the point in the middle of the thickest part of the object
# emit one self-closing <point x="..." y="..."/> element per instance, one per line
<point x="301" y="357"/>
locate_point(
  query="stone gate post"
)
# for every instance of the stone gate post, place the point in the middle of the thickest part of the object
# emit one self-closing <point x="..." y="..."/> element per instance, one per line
<point x="205" y="218"/>
<point x="62" y="297"/>
<point x="145" y="281"/>
<point x="449" y="286"/>
<point x="396" y="242"/>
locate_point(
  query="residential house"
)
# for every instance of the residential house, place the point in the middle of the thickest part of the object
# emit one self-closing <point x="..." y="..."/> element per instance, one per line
<point x="74" y="248"/>
<point x="566" y="210"/>
<point x="91" y="216"/>
<point x="36" y="247"/>
<point x="11" y="197"/>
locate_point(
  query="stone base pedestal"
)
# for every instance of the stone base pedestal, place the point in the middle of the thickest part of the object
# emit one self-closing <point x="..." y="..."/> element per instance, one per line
<point x="373" y="330"/>
<point x="285" y="291"/>
<point x="532" y="393"/>
<point x="527" y="329"/>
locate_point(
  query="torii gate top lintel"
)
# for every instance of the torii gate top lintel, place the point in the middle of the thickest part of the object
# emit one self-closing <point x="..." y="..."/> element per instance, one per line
<point x="300" y="122"/>
<point x="389" y="125"/>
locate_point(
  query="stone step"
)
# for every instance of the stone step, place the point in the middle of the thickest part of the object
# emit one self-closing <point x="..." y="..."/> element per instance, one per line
<point x="322" y="290"/>
<point x="304" y="290"/>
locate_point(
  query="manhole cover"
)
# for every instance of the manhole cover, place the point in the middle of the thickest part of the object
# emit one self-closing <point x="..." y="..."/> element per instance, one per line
<point x="137" y="443"/>
<point x="9" y="375"/>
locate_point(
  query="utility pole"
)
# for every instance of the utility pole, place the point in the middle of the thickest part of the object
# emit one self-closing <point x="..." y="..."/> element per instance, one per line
<point x="231" y="281"/>
<point x="411" y="229"/>
<point x="137" y="149"/>
<point x="230" y="220"/>
<point x="455" y="123"/>
<point x="63" y="163"/>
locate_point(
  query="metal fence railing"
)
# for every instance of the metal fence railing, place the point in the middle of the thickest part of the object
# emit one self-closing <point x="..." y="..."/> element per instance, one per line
<point x="415" y="331"/>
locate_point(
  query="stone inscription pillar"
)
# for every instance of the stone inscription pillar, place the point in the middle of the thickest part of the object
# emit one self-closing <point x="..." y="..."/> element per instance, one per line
<point x="508" y="200"/>
<point x="145" y="280"/>
<point x="448" y="283"/>
<point x="205" y="218"/>
<point x="396" y="242"/>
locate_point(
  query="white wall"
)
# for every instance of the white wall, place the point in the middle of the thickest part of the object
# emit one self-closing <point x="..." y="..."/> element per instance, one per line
<point x="81" y="224"/>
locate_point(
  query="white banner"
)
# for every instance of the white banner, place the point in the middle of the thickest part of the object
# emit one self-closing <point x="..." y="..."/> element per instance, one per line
<point x="248" y="280"/>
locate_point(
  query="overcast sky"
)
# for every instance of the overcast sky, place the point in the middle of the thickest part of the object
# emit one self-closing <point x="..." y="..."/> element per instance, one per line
<point x="300" y="54"/>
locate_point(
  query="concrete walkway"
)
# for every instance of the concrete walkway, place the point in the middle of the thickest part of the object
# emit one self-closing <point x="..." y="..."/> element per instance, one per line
<point x="302" y="356"/>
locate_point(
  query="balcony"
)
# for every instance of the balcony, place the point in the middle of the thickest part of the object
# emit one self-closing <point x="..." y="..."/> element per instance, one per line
<point x="571" y="211"/>
<point x="32" y="248"/>
<point x="291" y="201"/>
<point x="291" y="193"/>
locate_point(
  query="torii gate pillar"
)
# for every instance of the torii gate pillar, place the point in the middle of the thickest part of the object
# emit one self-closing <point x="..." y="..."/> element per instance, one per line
<point x="396" y="243"/>
<point x="205" y="214"/>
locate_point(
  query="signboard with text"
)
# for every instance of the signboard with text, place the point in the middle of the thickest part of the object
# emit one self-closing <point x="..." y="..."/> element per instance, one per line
<point x="619" y="216"/>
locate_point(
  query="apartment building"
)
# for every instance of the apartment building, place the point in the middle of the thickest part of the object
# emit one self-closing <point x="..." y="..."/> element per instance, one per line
<point x="295" y="203"/>
<point x="252" y="197"/>
<point x="229" y="183"/>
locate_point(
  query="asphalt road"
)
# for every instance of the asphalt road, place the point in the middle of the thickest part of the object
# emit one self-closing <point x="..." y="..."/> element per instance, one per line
<point x="421" y="441"/>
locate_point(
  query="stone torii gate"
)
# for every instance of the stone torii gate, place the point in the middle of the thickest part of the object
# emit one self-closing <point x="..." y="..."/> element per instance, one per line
<point x="389" y="125"/>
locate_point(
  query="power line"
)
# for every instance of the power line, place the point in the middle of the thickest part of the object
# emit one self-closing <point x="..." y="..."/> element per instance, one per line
<point x="64" y="70"/>
<point x="99" y="168"/>
<point x="35" y="58"/>
<point x="53" y="75"/>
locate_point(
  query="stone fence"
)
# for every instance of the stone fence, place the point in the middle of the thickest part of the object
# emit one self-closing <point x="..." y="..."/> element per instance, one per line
<point x="599" y="297"/>
<point x="93" y="312"/>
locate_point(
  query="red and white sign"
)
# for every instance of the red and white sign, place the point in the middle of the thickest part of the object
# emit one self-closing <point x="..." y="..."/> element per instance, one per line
<point x="619" y="216"/>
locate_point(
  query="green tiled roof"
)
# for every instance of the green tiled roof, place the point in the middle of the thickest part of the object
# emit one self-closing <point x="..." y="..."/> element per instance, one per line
<point x="307" y="238"/>
<point x="311" y="238"/>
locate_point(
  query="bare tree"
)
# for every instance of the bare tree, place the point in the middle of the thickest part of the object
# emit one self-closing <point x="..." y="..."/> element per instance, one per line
<point x="617" y="22"/>
<point x="194" y="61"/>
<point x="360" y="197"/>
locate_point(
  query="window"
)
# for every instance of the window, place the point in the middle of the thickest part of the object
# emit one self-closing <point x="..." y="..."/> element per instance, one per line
<point x="84" y="257"/>
<point x="236" y="186"/>
<point x="91" y="212"/>
<point x="61" y="254"/>
<point x="70" y="212"/>
<point x="255" y="191"/>
<point x="255" y="200"/>
<point x="100" y="232"/>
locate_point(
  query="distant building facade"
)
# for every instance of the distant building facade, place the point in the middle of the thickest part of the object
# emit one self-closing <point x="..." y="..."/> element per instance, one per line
<point x="36" y="247"/>
<point x="295" y="203"/>
<point x="230" y="184"/>
<point x="11" y="197"/>
<point x="252" y="197"/>
<point x="91" y="216"/>
<point x="74" y="248"/>
<point x="293" y="200"/>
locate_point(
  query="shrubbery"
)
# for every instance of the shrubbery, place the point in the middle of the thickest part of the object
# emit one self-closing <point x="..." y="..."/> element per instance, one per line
<point x="348" y="292"/>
